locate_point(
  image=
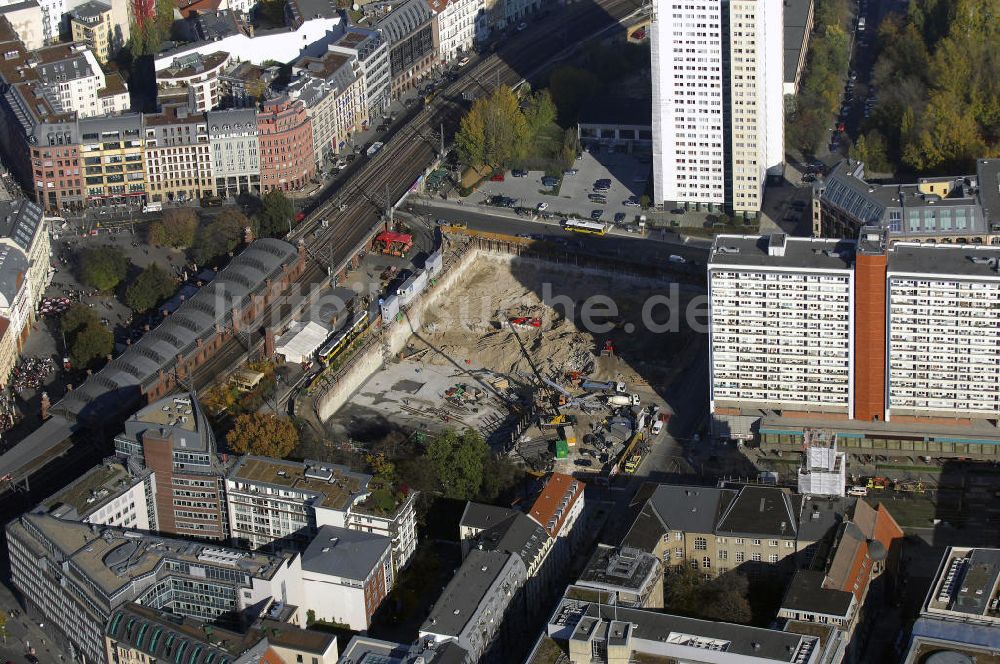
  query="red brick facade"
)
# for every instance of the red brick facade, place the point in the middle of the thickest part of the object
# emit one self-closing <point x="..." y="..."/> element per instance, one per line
<point x="869" y="336"/>
<point x="56" y="175"/>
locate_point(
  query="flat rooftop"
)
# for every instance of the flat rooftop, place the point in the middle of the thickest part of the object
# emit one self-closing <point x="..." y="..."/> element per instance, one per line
<point x="618" y="567"/>
<point x="666" y="630"/>
<point x="753" y="251"/>
<point x="968" y="582"/>
<point x="91" y="492"/>
<point x="972" y="260"/>
<point x="336" y="487"/>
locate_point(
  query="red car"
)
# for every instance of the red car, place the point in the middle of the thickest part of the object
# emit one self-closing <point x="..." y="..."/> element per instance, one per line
<point x="497" y="178"/>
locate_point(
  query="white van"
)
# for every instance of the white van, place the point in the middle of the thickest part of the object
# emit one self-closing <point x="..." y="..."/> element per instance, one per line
<point x="859" y="491"/>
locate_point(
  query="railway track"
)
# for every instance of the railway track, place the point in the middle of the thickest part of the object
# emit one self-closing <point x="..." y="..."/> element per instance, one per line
<point x="355" y="210"/>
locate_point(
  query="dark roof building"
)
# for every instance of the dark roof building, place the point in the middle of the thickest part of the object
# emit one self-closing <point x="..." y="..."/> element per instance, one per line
<point x="344" y="553"/>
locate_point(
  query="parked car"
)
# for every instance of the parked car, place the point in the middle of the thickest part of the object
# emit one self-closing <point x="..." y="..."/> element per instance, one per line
<point x="522" y="26"/>
<point x="519" y="173"/>
<point x="631" y="202"/>
<point x="596" y="214"/>
<point x="586" y="463"/>
<point x="619" y="217"/>
<point x="598" y="198"/>
<point x="550" y="181"/>
<point x="463" y="62"/>
<point x="542" y="207"/>
<point x="677" y="211"/>
<point x="497" y="178"/>
<point x="570" y="171"/>
<point x="657" y="427"/>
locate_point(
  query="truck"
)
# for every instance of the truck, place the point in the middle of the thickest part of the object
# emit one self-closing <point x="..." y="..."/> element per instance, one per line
<point x="623" y="400"/>
<point x="152" y="207"/>
<point x="603" y="386"/>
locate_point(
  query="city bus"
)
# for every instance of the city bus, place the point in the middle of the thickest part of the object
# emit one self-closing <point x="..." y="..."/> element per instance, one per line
<point x="341" y="339"/>
<point x="582" y="226"/>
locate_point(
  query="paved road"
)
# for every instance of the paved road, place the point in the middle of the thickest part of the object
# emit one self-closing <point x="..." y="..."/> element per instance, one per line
<point x="656" y="245"/>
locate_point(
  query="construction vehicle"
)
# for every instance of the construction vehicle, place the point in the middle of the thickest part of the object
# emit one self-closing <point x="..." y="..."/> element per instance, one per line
<point x="562" y="449"/>
<point x="623" y="400"/>
<point x="877" y="483"/>
<point x="391" y="243"/>
<point x="603" y="386"/>
<point x="909" y="486"/>
<point x="569" y="435"/>
<point x="633" y="463"/>
<point x="526" y="321"/>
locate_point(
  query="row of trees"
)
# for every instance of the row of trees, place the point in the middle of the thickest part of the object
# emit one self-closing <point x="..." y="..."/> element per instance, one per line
<point x="823" y="80"/>
<point x="937" y="74"/>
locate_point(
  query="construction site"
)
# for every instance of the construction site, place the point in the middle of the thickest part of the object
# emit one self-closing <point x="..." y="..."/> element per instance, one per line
<point x="504" y="350"/>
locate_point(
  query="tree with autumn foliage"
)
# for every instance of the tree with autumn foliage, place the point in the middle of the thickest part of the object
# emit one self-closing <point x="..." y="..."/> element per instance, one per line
<point x="263" y="434"/>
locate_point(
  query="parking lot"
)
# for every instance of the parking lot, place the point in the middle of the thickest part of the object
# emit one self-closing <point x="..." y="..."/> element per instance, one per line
<point x="628" y="175"/>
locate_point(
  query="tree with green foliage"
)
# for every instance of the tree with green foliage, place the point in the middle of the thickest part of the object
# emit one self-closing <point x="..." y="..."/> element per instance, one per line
<point x="147" y="34"/>
<point x="152" y="286"/>
<point x="102" y="267"/>
<point x="688" y="593"/>
<point x="88" y="339"/>
<point x="263" y="434"/>
<point x="494" y="132"/>
<point x="220" y="236"/>
<point x="275" y="213"/>
<point x="177" y="228"/>
<point x="459" y="462"/>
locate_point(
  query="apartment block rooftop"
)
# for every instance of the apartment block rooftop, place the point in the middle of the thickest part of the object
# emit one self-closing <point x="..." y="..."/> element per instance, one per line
<point x="464" y="593"/>
<point x="618" y="568"/>
<point x="967" y="586"/>
<point x="335" y="487"/>
<point x="94" y="489"/>
<point x="112" y="559"/>
<point x="781" y="251"/>
<point x="660" y="635"/>
<point x="973" y="261"/>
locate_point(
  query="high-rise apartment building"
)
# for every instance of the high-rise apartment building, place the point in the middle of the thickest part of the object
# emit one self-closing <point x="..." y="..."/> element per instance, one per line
<point x="781" y="324"/>
<point x="867" y="330"/>
<point x="718" y="118"/>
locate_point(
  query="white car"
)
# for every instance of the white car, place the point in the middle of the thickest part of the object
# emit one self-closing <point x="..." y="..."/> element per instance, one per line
<point x="522" y="26"/>
<point x="657" y="427"/>
<point x="463" y="62"/>
<point x="542" y="207"/>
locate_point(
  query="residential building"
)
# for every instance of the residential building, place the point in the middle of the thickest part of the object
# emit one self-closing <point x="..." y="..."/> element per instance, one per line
<point x="26" y="20"/>
<point x="15" y="307"/>
<point x="25" y="273"/>
<point x="174" y="440"/>
<point x="409" y="30"/>
<point x="478" y="517"/>
<point x="232" y="136"/>
<point x="781" y="324"/>
<point x="286" y="151"/>
<point x="762" y="530"/>
<point x="364" y="649"/>
<point x="284" y="503"/>
<point x="371" y="51"/>
<point x="718" y="115"/>
<point x="625" y="576"/>
<point x="960" y="615"/>
<point x="456" y="25"/>
<point x="876" y="341"/>
<point x="114" y="493"/>
<point x="92" y="24"/>
<point x="962" y="209"/>
<point x="71" y="78"/>
<point x="22" y="225"/>
<point x="51" y="17"/>
<point x="345" y="575"/>
<point x="76" y="575"/>
<point x="473" y="608"/>
<point x="54" y="162"/>
<point x="558" y="509"/>
<point x="275" y="503"/>
<point x="193" y="79"/>
<point x="228" y="31"/>
<point x="844" y="580"/>
<point x="584" y="632"/>
<point x="333" y="89"/>
<point x="138" y="634"/>
<point x="522" y="537"/>
<point x="112" y="158"/>
<point x="178" y="156"/>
